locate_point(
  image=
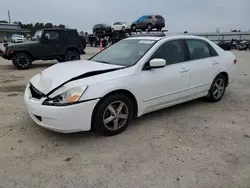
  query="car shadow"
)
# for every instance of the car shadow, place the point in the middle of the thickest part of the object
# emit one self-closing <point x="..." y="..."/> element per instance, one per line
<point x="93" y="136"/>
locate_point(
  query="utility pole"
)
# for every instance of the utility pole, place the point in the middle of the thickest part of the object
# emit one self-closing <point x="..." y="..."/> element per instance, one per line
<point x="9" y="16"/>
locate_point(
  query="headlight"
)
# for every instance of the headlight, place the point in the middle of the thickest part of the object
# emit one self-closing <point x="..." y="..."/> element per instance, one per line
<point x="71" y="96"/>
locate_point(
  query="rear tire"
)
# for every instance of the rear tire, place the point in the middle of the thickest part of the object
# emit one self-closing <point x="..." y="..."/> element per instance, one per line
<point x="217" y="89"/>
<point x="22" y="61"/>
<point x="72" y="56"/>
<point x="149" y="27"/>
<point x="109" y="119"/>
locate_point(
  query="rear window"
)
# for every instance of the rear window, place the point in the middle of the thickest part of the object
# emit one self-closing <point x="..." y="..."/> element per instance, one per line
<point x="97" y="25"/>
<point x="159" y="17"/>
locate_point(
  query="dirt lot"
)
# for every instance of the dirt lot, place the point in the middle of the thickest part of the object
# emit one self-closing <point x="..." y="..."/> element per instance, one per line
<point x="197" y="144"/>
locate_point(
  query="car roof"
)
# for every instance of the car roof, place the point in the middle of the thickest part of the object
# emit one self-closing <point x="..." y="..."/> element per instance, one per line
<point x="168" y="36"/>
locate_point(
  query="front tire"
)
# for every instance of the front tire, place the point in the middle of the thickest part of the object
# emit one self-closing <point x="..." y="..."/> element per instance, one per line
<point x="72" y="56"/>
<point x="133" y="27"/>
<point x="217" y="89"/>
<point x="22" y="61"/>
<point x="113" y="115"/>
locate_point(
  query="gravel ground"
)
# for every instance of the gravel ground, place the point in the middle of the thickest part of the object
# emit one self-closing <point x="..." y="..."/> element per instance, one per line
<point x="196" y="144"/>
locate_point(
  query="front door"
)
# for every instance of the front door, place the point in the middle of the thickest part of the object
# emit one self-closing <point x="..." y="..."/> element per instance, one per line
<point x="50" y="44"/>
<point x="169" y="84"/>
<point x="204" y="66"/>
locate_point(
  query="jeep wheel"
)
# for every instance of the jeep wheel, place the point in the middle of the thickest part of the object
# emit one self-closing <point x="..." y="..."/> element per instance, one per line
<point x="22" y="61"/>
<point x="72" y="56"/>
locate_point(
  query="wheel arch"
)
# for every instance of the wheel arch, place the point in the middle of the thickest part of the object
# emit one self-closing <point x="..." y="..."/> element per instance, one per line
<point x="72" y="48"/>
<point x="25" y="52"/>
<point x="126" y="92"/>
<point x="225" y="74"/>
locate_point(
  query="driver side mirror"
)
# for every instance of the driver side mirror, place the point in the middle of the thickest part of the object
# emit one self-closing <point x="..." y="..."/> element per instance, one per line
<point x="157" y="63"/>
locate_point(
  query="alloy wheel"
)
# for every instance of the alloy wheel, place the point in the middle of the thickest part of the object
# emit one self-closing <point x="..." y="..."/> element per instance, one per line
<point x="115" y="115"/>
<point x="22" y="61"/>
<point x="73" y="57"/>
<point x="218" y="88"/>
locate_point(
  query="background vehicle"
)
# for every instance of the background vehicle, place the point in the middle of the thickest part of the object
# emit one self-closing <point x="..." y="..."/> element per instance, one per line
<point x="47" y="44"/>
<point x="120" y="26"/>
<point x="149" y="22"/>
<point x="242" y="45"/>
<point x="133" y="77"/>
<point x="15" y="38"/>
<point x="101" y="29"/>
<point x="224" y="45"/>
<point x="93" y="40"/>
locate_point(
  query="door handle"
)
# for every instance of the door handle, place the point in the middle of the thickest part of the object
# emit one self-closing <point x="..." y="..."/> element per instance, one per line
<point x="184" y="70"/>
<point x="216" y="62"/>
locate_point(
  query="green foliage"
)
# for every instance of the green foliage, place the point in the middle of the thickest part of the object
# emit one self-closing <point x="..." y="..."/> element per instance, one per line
<point x="34" y="27"/>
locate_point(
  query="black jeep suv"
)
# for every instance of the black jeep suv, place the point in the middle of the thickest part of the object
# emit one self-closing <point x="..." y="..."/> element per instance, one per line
<point x="47" y="44"/>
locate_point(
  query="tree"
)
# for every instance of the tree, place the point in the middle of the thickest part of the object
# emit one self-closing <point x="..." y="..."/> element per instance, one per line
<point x="48" y="25"/>
<point x="185" y="32"/>
<point x="3" y="21"/>
<point x="61" y="26"/>
<point x="33" y="28"/>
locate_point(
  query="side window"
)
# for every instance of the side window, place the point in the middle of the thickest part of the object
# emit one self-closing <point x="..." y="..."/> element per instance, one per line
<point x="159" y="17"/>
<point x="70" y="33"/>
<point x="150" y="17"/>
<point x="172" y="51"/>
<point x="51" y="35"/>
<point x="198" y="49"/>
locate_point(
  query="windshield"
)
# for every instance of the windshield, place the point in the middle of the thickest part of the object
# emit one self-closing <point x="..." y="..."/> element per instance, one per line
<point x="125" y="53"/>
<point x="37" y="35"/>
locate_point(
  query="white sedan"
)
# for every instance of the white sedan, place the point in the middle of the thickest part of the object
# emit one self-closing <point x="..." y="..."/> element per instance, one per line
<point x="133" y="77"/>
<point x="17" y="38"/>
<point x="120" y="26"/>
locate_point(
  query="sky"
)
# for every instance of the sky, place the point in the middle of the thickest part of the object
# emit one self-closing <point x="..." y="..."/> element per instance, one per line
<point x="180" y="15"/>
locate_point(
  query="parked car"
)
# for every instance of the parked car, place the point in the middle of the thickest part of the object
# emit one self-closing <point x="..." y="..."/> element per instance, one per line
<point x="120" y="26"/>
<point x="15" y="38"/>
<point x="130" y="78"/>
<point x="149" y="22"/>
<point x="101" y="29"/>
<point x="93" y="40"/>
<point x="224" y="45"/>
<point x="47" y="44"/>
<point x="242" y="45"/>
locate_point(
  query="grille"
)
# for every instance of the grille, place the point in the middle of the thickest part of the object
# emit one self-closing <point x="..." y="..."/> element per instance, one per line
<point x="35" y="93"/>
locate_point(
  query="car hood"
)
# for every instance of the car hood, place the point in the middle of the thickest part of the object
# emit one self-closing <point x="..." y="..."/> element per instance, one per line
<point x="55" y="76"/>
<point x="24" y="44"/>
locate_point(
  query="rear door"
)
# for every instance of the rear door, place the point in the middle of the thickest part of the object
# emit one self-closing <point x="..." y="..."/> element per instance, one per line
<point x="204" y="65"/>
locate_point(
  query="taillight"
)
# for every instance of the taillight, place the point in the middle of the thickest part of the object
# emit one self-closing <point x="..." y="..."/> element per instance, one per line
<point x="235" y="61"/>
